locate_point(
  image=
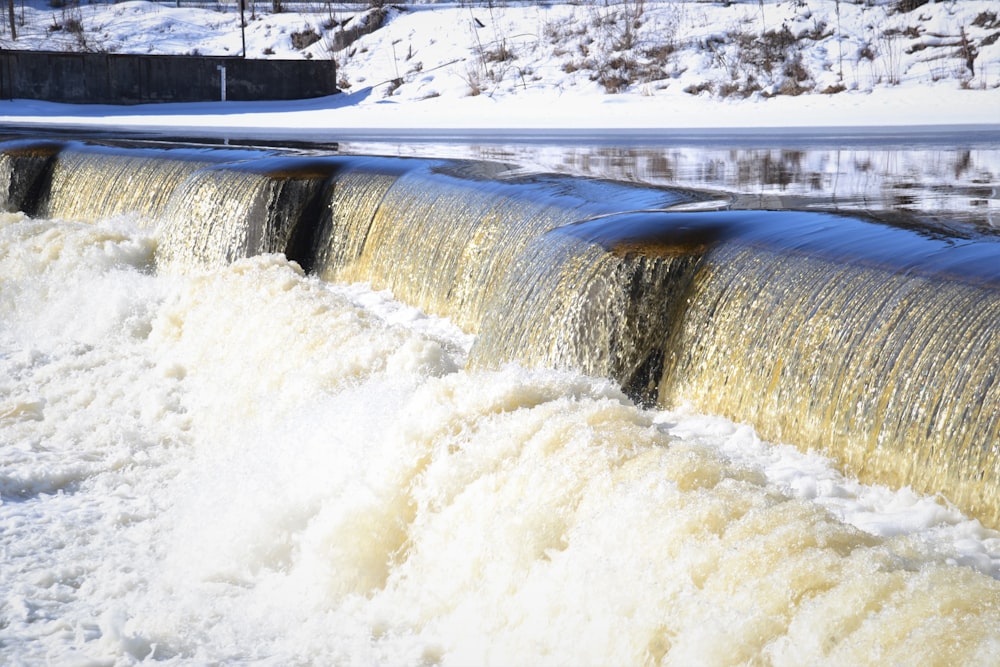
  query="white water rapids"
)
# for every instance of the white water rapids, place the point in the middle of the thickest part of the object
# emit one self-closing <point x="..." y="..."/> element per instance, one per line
<point x="248" y="465"/>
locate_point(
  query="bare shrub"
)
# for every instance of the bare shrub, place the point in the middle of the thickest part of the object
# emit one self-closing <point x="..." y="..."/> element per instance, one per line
<point x="614" y="82"/>
<point x="623" y="50"/>
<point x="352" y="30"/>
<point x="795" y="70"/>
<point x="699" y="88"/>
<point x="393" y="87"/>
<point x="755" y="62"/>
<point x="866" y="52"/>
<point x="660" y="53"/>
<point x="71" y="22"/>
<point x="499" y="53"/>
<point x="987" y="20"/>
<point x="618" y="26"/>
<point x="890" y="57"/>
<point x="791" y="87"/>
<point x="617" y="75"/>
<point x="570" y="66"/>
<point x="473" y="78"/>
<point x="905" y="6"/>
<point x="738" y="89"/>
<point x="818" y="32"/>
<point x="768" y="51"/>
<point x="304" y="38"/>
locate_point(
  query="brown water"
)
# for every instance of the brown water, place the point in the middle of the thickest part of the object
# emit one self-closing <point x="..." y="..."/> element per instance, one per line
<point x="227" y="460"/>
<point x="868" y="337"/>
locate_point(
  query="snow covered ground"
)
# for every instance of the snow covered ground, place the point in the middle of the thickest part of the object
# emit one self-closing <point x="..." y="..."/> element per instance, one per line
<point x="616" y="64"/>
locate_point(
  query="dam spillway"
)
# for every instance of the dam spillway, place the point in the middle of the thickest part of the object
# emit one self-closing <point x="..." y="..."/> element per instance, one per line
<point x="874" y="342"/>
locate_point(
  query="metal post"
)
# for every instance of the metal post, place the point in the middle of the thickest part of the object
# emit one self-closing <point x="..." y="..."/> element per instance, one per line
<point x="243" y="26"/>
<point x="222" y="80"/>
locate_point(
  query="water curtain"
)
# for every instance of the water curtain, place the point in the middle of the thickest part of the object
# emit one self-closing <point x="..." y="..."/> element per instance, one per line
<point x="874" y="341"/>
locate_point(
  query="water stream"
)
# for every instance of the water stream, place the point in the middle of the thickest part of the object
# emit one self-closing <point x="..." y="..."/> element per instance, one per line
<point x="300" y="407"/>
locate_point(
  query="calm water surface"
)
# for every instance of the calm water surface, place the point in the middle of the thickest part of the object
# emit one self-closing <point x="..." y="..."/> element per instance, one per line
<point x="945" y="175"/>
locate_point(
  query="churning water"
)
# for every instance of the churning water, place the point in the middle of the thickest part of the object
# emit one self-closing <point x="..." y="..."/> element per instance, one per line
<point x="209" y="458"/>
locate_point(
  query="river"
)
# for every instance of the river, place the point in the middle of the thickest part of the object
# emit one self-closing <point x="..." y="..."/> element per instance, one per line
<point x="238" y="462"/>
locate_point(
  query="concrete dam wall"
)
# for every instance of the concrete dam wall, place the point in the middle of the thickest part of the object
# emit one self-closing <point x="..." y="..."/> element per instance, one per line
<point x="109" y="78"/>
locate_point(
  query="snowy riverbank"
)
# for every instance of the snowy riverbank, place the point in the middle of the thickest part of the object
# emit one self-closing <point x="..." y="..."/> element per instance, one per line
<point x="681" y="65"/>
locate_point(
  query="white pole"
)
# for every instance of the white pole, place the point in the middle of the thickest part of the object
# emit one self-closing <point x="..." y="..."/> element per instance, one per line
<point x="222" y="80"/>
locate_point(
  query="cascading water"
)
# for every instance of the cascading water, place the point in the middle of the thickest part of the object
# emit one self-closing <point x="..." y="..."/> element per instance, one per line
<point x="209" y="455"/>
<point x="219" y="214"/>
<point x="116" y="182"/>
<point x="573" y="304"/>
<point x="738" y="315"/>
<point x="24" y="171"/>
<point x="891" y="371"/>
<point x="446" y="236"/>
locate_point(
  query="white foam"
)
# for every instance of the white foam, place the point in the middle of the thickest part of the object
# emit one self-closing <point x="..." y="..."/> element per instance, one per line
<point x="246" y="465"/>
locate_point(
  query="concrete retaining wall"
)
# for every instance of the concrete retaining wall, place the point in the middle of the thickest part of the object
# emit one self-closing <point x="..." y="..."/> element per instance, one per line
<point x="106" y="78"/>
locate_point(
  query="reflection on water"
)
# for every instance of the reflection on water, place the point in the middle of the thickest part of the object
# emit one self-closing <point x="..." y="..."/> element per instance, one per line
<point x="929" y="179"/>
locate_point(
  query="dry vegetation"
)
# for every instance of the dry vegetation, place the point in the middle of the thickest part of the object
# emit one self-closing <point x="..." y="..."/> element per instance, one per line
<point x="784" y="48"/>
<point x="731" y="48"/>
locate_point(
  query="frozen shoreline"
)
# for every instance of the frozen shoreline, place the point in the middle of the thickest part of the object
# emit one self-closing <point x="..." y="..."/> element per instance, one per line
<point x="431" y="69"/>
<point x="346" y="114"/>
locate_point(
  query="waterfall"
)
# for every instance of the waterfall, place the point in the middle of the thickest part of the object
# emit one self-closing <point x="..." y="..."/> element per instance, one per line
<point x="873" y="341"/>
<point x="445" y="236"/>
<point x="226" y="212"/>
<point x="892" y="372"/>
<point x="88" y="183"/>
<point x="602" y="307"/>
<point x="24" y="172"/>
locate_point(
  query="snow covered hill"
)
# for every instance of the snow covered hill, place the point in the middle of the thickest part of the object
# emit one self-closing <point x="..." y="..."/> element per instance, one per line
<point x="648" y="48"/>
<point x="613" y="63"/>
